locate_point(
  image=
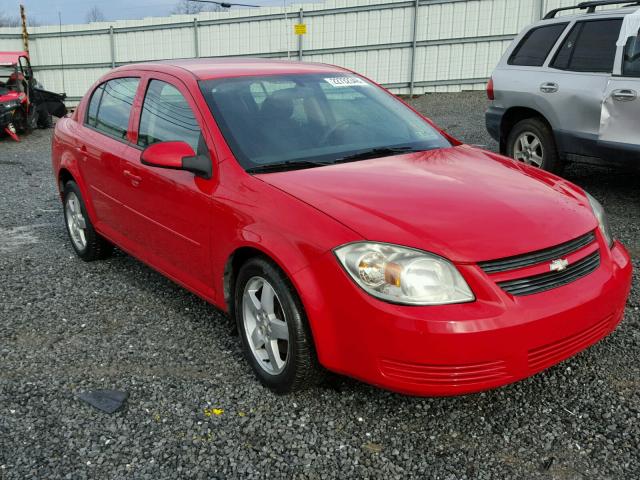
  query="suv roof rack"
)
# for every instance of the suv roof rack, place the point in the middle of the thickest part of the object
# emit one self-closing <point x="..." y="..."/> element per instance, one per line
<point x="589" y="6"/>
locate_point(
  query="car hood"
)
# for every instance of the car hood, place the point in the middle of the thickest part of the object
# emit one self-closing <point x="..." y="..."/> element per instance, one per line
<point x="463" y="203"/>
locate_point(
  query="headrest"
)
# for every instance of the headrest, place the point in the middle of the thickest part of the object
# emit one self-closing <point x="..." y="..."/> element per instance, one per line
<point x="279" y="105"/>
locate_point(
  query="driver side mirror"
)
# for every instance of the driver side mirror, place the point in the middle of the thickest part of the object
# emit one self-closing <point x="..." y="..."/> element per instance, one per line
<point x="176" y="156"/>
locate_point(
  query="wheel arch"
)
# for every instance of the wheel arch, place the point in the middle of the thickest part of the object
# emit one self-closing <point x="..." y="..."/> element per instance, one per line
<point x="514" y="115"/>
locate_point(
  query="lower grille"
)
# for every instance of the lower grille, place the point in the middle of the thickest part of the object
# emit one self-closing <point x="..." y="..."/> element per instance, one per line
<point x="444" y="375"/>
<point x="548" y="281"/>
<point x="555" y="352"/>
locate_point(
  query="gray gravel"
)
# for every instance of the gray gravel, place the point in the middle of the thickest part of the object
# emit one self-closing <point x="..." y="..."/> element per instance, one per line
<point x="67" y="326"/>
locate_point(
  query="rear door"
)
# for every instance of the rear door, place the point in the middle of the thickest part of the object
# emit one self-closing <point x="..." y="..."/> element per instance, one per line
<point x="577" y="79"/>
<point x="620" y="120"/>
<point x="172" y="208"/>
<point x="103" y="141"/>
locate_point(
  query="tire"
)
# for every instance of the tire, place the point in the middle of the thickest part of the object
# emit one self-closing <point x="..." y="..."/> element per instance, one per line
<point x="531" y="141"/>
<point x="45" y="120"/>
<point x="88" y="244"/>
<point x="300" y="368"/>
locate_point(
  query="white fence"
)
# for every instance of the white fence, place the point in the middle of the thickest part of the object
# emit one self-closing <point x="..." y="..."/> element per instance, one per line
<point x="406" y="45"/>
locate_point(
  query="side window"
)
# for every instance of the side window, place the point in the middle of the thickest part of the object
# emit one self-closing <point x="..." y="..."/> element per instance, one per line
<point x="110" y="106"/>
<point x="631" y="63"/>
<point x="534" y="48"/>
<point x="94" y="104"/>
<point x="166" y="116"/>
<point x="590" y="47"/>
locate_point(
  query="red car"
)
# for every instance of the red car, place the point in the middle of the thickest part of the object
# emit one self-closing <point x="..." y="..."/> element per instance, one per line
<point x="341" y="229"/>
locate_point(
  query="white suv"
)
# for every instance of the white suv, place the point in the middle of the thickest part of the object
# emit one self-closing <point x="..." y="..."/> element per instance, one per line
<point x="567" y="89"/>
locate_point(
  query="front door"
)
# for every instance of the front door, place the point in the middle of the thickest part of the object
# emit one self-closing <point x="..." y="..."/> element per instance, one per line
<point x="620" y="120"/>
<point x="172" y="208"/>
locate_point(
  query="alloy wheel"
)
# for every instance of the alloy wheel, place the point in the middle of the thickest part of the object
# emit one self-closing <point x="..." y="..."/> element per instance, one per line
<point x="75" y="221"/>
<point x="265" y="325"/>
<point x="528" y="149"/>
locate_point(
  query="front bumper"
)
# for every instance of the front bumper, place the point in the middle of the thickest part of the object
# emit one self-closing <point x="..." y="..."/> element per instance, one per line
<point x="457" y="349"/>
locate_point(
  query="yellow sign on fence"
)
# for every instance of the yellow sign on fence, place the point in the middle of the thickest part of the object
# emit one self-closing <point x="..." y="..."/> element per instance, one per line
<point x="300" y="28"/>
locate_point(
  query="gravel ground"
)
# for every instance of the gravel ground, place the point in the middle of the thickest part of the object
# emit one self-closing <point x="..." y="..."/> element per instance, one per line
<point x="195" y="409"/>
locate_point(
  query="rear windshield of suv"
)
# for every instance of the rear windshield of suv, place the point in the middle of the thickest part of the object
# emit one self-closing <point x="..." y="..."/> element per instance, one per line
<point x="536" y="45"/>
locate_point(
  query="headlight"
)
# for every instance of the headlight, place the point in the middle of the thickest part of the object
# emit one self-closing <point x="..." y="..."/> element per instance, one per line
<point x="603" y="223"/>
<point x="403" y="275"/>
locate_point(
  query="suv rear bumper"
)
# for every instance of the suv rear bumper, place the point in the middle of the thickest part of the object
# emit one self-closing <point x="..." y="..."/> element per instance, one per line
<point x="493" y="121"/>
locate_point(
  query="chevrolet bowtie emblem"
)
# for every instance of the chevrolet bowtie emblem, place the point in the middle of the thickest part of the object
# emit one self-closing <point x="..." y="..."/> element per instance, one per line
<point x="559" y="265"/>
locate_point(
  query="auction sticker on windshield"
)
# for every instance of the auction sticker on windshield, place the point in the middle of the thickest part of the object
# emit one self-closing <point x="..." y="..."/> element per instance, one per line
<point x="346" y="82"/>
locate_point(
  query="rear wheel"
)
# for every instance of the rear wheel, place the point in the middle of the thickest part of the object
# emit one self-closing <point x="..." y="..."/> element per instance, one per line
<point x="531" y="141"/>
<point x="88" y="244"/>
<point x="276" y="338"/>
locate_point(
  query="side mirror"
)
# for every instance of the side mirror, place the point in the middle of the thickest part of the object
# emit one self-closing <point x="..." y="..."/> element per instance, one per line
<point x="176" y="156"/>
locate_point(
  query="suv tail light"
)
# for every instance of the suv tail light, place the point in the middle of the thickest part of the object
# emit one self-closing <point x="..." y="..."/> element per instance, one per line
<point x="490" y="93"/>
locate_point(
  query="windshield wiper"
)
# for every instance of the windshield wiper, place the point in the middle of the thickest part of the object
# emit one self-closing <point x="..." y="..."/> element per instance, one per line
<point x="377" y="153"/>
<point x="284" y="166"/>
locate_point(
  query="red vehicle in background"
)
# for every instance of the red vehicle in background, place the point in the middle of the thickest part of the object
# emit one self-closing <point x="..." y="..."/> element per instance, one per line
<point x="339" y="227"/>
<point x="24" y="104"/>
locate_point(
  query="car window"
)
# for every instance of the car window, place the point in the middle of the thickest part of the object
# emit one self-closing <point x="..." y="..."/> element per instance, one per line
<point x="110" y="106"/>
<point x="312" y="118"/>
<point x="92" y="111"/>
<point x="590" y="47"/>
<point x="631" y="63"/>
<point x="536" y="45"/>
<point x="166" y="116"/>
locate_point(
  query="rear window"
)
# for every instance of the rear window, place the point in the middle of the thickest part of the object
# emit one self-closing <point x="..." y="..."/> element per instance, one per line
<point x="110" y="106"/>
<point x="590" y="47"/>
<point x="536" y="45"/>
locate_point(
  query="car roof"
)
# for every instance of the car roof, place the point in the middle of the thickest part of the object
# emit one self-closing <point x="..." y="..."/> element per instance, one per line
<point x="210" y="68"/>
<point x="11" y="58"/>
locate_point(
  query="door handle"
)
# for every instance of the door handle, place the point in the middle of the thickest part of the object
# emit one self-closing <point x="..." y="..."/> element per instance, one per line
<point x="549" y="87"/>
<point x="135" y="179"/>
<point x="624" y="95"/>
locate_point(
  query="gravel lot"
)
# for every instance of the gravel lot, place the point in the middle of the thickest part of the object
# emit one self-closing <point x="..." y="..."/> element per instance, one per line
<point x="67" y="326"/>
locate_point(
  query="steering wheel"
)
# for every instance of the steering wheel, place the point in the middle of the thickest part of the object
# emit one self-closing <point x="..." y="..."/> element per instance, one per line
<point x="341" y="125"/>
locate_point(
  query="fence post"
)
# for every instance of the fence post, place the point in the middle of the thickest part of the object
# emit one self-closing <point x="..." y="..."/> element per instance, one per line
<point x="416" y="11"/>
<point x="541" y="9"/>
<point x="113" y="47"/>
<point x="196" y="42"/>
<point x="300" y="45"/>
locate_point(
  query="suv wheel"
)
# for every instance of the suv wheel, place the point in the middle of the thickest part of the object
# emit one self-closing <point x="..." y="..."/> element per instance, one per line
<point x="531" y="141"/>
<point x="88" y="244"/>
<point x="272" y="324"/>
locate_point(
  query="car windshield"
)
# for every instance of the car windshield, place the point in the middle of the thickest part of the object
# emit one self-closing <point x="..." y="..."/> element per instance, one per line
<point x="307" y="120"/>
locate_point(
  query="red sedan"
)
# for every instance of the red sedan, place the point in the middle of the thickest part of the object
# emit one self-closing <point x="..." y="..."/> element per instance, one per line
<point x="340" y="228"/>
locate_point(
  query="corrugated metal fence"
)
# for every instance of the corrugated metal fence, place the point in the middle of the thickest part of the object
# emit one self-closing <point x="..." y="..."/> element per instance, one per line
<point x="406" y="45"/>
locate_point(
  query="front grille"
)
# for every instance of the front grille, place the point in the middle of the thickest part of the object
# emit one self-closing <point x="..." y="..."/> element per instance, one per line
<point x="548" y="281"/>
<point x="540" y="256"/>
<point x="553" y="353"/>
<point x="445" y="375"/>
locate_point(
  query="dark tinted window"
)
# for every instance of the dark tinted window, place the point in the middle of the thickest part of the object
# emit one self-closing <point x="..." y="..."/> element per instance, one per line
<point x="536" y="45"/>
<point x="631" y="64"/>
<point x="166" y="116"/>
<point x="590" y="47"/>
<point x="111" y="114"/>
<point x="92" y="113"/>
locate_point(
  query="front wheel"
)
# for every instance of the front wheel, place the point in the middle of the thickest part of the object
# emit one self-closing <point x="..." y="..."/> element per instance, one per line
<point x="531" y="141"/>
<point x="276" y="338"/>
